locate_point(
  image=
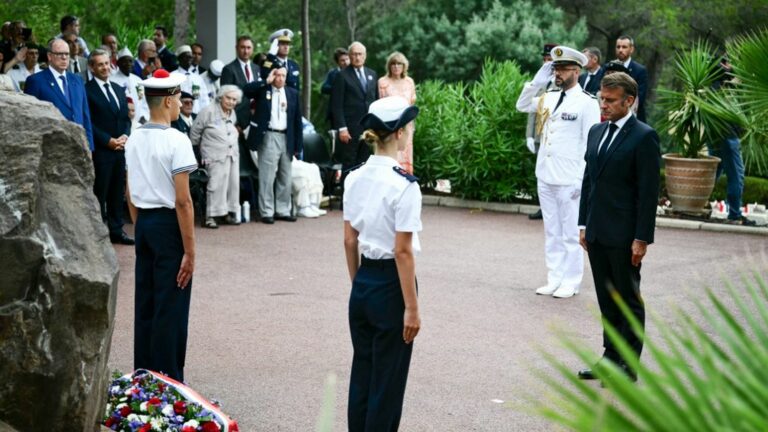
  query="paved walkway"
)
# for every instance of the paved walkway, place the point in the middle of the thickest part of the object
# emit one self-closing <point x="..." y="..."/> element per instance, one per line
<point x="268" y="320"/>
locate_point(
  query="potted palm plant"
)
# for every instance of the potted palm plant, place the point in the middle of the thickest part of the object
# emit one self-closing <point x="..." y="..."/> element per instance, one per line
<point x="698" y="115"/>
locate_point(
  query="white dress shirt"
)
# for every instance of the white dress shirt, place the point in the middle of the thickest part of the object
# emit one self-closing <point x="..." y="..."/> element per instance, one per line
<point x="278" y="118"/>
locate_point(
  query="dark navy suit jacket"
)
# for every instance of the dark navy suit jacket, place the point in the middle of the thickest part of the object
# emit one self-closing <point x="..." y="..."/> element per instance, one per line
<point x="262" y="95"/>
<point x="107" y="121"/>
<point x="43" y="86"/>
<point x="594" y="83"/>
<point x="619" y="195"/>
<point x="292" y="70"/>
<point x="640" y="75"/>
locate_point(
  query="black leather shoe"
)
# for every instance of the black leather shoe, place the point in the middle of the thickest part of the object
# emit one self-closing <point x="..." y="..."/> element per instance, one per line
<point x="536" y="216"/>
<point x="586" y="374"/>
<point x="121" y="238"/>
<point x="286" y="218"/>
<point x="268" y="220"/>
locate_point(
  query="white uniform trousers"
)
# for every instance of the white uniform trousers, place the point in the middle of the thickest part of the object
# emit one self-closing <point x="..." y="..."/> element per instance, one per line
<point x="223" y="186"/>
<point x="564" y="255"/>
<point x="274" y="176"/>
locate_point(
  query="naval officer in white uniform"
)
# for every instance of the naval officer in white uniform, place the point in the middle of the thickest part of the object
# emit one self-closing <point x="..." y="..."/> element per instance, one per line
<point x="564" y="119"/>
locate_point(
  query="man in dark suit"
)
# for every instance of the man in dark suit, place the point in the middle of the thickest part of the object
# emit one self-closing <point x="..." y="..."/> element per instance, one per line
<point x="625" y="47"/>
<point x="276" y="134"/>
<point x="593" y="72"/>
<point x="78" y="64"/>
<point x="111" y="127"/>
<point x="62" y="88"/>
<point x="186" y="116"/>
<point x="197" y="59"/>
<point x="240" y="72"/>
<point x="354" y="89"/>
<point x="617" y="211"/>
<point x="146" y="62"/>
<point x="167" y="58"/>
<point x="278" y="58"/>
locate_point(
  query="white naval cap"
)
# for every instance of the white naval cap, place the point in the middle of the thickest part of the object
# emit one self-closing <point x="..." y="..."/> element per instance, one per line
<point x="389" y="113"/>
<point x="564" y="55"/>
<point x="282" y="35"/>
<point x="183" y="49"/>
<point x="162" y="83"/>
<point x="125" y="52"/>
<point x="216" y="67"/>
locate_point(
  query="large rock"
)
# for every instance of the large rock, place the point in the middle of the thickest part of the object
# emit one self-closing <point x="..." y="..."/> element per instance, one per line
<point x="58" y="277"/>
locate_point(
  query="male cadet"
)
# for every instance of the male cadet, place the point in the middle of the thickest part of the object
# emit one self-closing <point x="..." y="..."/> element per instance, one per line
<point x="565" y="117"/>
<point x="277" y="58"/>
<point x="593" y="73"/>
<point x="111" y="127"/>
<point x="532" y="137"/>
<point x="625" y="47"/>
<point x="158" y="162"/>
<point x="193" y="83"/>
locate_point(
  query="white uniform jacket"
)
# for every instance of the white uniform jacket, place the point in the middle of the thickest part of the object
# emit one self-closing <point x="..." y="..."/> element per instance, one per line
<point x="560" y="160"/>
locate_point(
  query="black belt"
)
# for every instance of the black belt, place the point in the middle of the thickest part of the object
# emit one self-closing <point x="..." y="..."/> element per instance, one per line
<point x="276" y="131"/>
<point x="378" y="263"/>
<point x="156" y="210"/>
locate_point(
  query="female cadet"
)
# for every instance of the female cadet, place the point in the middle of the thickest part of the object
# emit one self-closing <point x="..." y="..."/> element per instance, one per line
<point x="159" y="159"/>
<point x="382" y="216"/>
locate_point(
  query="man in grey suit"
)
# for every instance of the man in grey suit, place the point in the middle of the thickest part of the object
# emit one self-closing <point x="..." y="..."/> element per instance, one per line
<point x="354" y="89"/>
<point x="242" y="71"/>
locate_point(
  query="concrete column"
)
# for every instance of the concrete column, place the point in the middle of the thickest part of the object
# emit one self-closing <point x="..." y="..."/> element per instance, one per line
<point x="216" y="29"/>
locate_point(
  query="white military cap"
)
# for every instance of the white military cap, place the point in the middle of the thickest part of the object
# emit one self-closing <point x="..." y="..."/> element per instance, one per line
<point x="216" y="67"/>
<point x="162" y="83"/>
<point x="183" y="49"/>
<point x="282" y="35"/>
<point x="125" y="52"/>
<point x="564" y="55"/>
<point x="389" y="113"/>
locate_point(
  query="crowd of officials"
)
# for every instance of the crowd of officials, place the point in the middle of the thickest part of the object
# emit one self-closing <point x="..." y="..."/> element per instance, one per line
<point x="226" y="108"/>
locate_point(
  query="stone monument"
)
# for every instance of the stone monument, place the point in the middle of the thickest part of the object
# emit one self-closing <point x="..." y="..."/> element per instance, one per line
<point x="58" y="273"/>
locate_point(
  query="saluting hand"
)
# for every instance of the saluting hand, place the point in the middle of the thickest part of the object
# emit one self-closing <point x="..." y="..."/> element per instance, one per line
<point x="186" y="269"/>
<point x="411" y="324"/>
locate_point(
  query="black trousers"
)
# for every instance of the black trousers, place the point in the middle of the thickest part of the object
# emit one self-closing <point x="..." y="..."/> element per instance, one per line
<point x="161" y="307"/>
<point x="614" y="274"/>
<point x="109" y="188"/>
<point x="381" y="357"/>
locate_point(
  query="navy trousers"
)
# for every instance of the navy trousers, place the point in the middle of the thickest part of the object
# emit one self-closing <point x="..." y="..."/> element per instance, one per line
<point x="161" y="308"/>
<point x="381" y="357"/>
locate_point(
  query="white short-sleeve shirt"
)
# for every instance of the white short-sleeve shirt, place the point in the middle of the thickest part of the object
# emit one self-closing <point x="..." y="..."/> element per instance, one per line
<point x="378" y="202"/>
<point x="153" y="155"/>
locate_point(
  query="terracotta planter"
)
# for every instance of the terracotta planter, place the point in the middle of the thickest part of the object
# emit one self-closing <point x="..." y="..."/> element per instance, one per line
<point x="690" y="182"/>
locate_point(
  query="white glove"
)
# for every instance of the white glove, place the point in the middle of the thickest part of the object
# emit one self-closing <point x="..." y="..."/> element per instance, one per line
<point x="530" y="144"/>
<point x="542" y="77"/>
<point x="273" y="47"/>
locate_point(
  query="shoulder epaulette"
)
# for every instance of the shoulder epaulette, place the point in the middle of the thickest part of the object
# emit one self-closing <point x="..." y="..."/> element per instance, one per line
<point x="348" y="170"/>
<point x="410" y="177"/>
<point x="589" y="94"/>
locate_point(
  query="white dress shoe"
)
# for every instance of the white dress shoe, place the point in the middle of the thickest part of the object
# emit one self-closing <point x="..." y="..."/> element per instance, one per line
<point x="319" y="211"/>
<point x="307" y="212"/>
<point x="546" y="289"/>
<point x="566" y="291"/>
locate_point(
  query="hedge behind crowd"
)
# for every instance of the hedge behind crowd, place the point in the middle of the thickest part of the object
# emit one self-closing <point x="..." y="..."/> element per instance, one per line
<point x="472" y="135"/>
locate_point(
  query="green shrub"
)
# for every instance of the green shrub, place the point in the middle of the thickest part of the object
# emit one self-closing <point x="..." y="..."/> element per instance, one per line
<point x="473" y="136"/>
<point x="709" y="371"/>
<point x="755" y="189"/>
